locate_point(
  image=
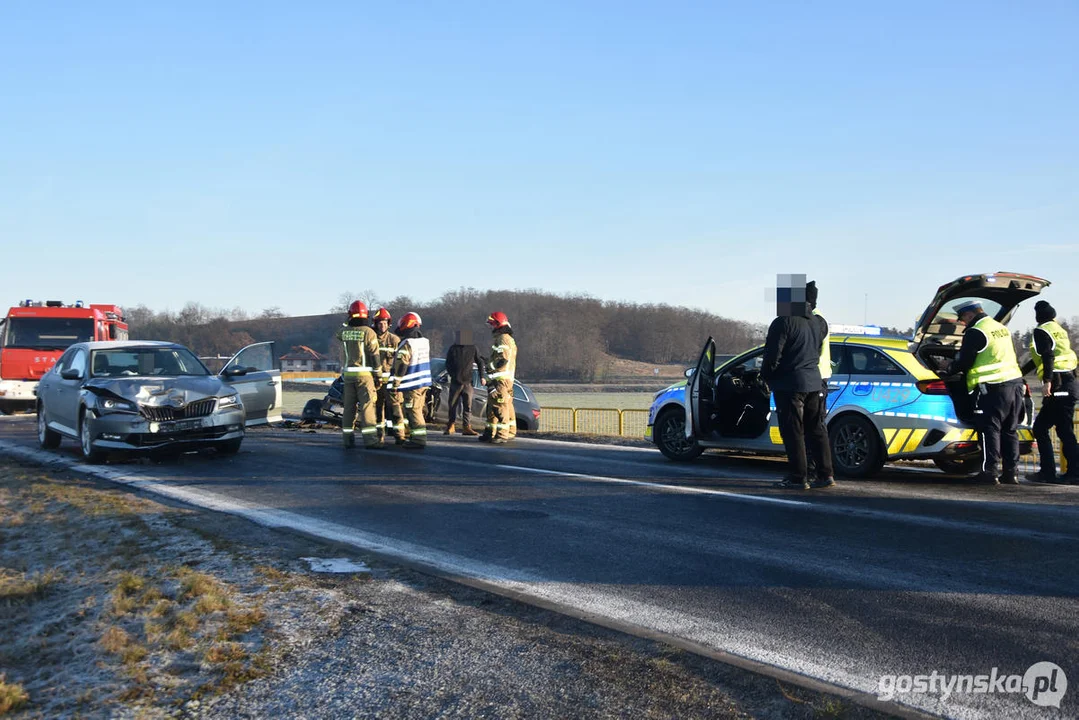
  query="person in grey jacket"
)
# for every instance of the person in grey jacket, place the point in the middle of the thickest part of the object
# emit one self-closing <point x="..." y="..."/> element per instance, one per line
<point x="791" y="359"/>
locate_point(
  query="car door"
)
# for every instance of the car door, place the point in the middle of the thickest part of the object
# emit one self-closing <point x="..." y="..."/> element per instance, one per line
<point x="253" y="372"/>
<point x="701" y="392"/>
<point x="840" y="379"/>
<point x="63" y="404"/>
<point x="479" y="396"/>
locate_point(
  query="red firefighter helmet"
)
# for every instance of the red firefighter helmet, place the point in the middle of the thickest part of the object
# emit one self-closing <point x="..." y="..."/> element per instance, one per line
<point x="357" y="310"/>
<point x="498" y="320"/>
<point x="382" y="314"/>
<point x="408" y="321"/>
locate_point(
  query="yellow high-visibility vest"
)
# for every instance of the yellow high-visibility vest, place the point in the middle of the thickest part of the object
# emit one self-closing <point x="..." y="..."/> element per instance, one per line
<point x="996" y="363"/>
<point x="1063" y="355"/>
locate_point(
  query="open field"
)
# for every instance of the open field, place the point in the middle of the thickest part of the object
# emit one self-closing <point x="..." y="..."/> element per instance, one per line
<point x="294" y="400"/>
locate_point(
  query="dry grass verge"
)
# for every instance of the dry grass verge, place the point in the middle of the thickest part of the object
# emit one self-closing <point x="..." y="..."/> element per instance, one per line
<point x="12" y="696"/>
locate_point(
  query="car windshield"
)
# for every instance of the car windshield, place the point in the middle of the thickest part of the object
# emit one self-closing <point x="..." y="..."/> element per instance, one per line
<point x="128" y="362"/>
<point x="40" y="333"/>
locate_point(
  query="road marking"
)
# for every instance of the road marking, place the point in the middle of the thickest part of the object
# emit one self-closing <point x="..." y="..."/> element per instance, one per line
<point x="657" y="486"/>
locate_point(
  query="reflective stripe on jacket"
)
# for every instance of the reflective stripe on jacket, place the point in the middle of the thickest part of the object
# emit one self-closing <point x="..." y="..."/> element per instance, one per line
<point x="418" y="372"/>
<point x="360" y="346"/>
<point x="503" y="360"/>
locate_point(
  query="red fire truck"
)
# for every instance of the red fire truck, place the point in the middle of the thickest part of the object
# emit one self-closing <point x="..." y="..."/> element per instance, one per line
<point x="34" y="335"/>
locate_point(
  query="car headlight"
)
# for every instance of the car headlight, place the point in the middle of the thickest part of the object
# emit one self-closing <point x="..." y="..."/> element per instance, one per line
<point x="228" y="401"/>
<point x="115" y="404"/>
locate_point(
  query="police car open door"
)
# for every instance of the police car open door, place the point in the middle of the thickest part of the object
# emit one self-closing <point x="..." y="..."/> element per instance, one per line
<point x="700" y="393"/>
<point x="253" y="372"/>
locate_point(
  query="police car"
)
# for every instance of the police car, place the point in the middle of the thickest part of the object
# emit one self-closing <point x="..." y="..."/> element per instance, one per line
<point x="889" y="398"/>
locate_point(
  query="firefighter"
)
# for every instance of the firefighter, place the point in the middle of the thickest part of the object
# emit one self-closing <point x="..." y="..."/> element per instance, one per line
<point x="412" y="376"/>
<point x="361" y="364"/>
<point x="388" y="407"/>
<point x="1052" y="356"/>
<point x="501" y="420"/>
<point x="995" y="383"/>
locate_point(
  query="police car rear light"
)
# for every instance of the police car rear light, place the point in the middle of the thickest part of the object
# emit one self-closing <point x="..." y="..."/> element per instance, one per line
<point x="535" y="413"/>
<point x="932" y="387"/>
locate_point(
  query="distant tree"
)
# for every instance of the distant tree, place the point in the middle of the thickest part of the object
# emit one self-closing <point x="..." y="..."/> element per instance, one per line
<point x="369" y="297"/>
<point x="271" y="312"/>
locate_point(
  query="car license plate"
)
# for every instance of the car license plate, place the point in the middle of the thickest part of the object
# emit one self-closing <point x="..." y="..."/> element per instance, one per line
<point x="181" y="425"/>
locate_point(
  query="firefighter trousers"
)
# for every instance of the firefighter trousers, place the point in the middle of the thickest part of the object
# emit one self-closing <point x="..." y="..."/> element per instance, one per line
<point x="501" y="419"/>
<point x="359" y="391"/>
<point x="412" y="402"/>
<point x="388" y="415"/>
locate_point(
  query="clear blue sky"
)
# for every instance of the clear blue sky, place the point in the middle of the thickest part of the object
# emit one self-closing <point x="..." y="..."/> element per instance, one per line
<point x="279" y="154"/>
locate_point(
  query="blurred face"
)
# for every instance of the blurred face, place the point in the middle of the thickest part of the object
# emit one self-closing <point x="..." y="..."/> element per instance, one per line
<point x="965" y="318"/>
<point x="382" y="325"/>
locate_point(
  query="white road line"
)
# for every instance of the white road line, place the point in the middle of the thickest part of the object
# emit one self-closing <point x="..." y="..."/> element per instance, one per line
<point x="658" y="486"/>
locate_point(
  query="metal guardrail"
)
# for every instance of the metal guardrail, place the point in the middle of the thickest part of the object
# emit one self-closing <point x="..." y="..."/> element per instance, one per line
<point x="595" y="421"/>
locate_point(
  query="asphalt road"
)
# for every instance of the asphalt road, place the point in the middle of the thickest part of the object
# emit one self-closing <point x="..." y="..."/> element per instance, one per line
<point x="910" y="574"/>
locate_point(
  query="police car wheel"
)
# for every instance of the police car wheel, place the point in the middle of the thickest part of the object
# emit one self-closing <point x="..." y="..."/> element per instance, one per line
<point x="669" y="434"/>
<point x="856" y="447"/>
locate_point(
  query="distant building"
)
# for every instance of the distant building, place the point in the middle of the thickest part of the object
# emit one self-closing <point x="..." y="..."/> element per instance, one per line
<point x="303" y="359"/>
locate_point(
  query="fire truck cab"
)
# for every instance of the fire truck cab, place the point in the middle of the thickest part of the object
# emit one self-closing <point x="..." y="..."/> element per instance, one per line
<point x="34" y="334"/>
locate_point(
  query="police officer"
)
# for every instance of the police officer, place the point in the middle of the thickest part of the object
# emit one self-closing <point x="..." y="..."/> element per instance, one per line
<point x="361" y="358"/>
<point x="995" y="382"/>
<point x="412" y="376"/>
<point x="825" y="367"/>
<point x="501" y="419"/>
<point x="1052" y="356"/>
<point x="388" y="405"/>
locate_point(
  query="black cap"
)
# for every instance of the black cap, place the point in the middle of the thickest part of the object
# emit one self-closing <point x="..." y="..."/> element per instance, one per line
<point x="1043" y="311"/>
<point x="811" y="292"/>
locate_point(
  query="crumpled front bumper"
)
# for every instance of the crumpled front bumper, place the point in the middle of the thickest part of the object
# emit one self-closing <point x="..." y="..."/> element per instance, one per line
<point x="128" y="431"/>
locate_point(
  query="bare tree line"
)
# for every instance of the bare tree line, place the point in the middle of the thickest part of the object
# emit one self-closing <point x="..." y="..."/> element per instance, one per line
<point x="569" y="337"/>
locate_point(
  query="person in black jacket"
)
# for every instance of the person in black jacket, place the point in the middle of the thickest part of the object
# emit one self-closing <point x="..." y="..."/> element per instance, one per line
<point x="790" y="367"/>
<point x="460" y="359"/>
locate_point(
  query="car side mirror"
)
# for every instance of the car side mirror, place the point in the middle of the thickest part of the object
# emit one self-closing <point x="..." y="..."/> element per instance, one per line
<point x="689" y="372"/>
<point x="71" y="374"/>
<point x="234" y="371"/>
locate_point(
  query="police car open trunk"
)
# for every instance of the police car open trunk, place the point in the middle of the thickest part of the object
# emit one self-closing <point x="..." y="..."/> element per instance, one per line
<point x="938" y="333"/>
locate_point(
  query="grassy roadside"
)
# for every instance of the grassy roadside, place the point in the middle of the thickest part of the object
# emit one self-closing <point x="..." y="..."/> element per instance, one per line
<point x="112" y="604"/>
<point x="105" y="601"/>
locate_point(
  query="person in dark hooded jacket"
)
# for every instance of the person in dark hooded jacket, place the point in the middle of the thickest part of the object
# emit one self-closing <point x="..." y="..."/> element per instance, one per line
<point x="791" y="369"/>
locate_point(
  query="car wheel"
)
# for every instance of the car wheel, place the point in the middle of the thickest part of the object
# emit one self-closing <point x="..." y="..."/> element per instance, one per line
<point x="856" y="447"/>
<point x="312" y="410"/>
<point x="86" y="444"/>
<point x="962" y="466"/>
<point x="669" y="433"/>
<point x="48" y="439"/>
<point x="229" y="447"/>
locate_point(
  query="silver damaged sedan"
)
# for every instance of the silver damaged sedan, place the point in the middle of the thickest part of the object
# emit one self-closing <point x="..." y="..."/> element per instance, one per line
<point x="141" y="396"/>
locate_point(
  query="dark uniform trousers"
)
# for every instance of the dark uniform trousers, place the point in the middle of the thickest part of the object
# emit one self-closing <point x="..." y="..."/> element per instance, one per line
<point x="801" y="423"/>
<point x="1058" y="411"/>
<point x="997" y="410"/>
<point x="460" y="395"/>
